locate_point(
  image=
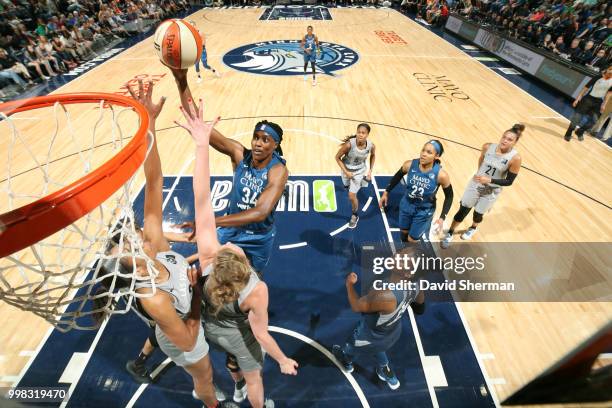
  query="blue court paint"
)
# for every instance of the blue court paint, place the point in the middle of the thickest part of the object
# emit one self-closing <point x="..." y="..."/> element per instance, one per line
<point x="307" y="296"/>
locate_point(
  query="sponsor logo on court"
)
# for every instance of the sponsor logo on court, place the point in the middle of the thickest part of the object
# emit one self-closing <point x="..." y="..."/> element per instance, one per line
<point x="296" y="12"/>
<point x="440" y="87"/>
<point x="390" y="37"/>
<point x="284" y="57"/>
<point x="324" y="196"/>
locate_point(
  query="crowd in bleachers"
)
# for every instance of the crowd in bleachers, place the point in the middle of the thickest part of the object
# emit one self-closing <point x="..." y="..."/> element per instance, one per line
<point x="40" y="39"/>
<point x="579" y="31"/>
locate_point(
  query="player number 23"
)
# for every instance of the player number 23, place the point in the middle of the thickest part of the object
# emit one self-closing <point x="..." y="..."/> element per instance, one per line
<point x="416" y="191"/>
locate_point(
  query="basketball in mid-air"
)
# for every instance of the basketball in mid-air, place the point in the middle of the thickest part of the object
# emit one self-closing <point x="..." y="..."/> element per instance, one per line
<point x="177" y="44"/>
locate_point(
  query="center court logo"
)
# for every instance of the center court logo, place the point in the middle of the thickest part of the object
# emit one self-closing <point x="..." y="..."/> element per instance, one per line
<point x="284" y="57"/>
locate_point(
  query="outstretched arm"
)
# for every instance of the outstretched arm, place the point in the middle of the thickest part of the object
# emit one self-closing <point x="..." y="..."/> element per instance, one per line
<point x="257" y="303"/>
<point x="153" y="217"/>
<point x="220" y="143"/>
<point x="206" y="234"/>
<point x="277" y="178"/>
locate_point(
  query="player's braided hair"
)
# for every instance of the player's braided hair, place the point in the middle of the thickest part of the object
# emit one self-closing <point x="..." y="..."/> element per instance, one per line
<point x="277" y="129"/>
<point x="231" y="273"/>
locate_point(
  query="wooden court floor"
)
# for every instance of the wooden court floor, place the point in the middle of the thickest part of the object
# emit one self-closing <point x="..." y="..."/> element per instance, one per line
<point x="565" y="198"/>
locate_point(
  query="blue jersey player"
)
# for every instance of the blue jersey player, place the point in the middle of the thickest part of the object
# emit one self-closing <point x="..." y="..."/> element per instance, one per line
<point x="259" y="181"/>
<point x="380" y="325"/>
<point x="309" y="45"/>
<point x="417" y="207"/>
<point x="204" y="57"/>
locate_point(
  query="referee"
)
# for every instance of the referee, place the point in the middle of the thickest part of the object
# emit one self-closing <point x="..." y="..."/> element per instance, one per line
<point x="591" y="101"/>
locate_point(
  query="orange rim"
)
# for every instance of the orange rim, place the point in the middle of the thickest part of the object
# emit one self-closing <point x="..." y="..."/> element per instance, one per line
<point x="26" y="225"/>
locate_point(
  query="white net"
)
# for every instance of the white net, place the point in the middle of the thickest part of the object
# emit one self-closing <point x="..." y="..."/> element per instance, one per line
<point x="72" y="278"/>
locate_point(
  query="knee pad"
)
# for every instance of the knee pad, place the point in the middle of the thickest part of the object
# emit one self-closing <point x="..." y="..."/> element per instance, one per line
<point x="153" y="338"/>
<point x="461" y="213"/>
<point x="232" y="363"/>
<point x="478" y="217"/>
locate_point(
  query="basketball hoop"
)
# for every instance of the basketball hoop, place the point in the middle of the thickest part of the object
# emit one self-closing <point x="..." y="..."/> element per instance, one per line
<point x="62" y="211"/>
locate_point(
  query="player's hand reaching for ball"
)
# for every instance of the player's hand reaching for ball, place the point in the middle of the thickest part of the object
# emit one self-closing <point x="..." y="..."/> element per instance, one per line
<point x="197" y="128"/>
<point x="289" y="366"/>
<point x="146" y="99"/>
<point x="351" y="278"/>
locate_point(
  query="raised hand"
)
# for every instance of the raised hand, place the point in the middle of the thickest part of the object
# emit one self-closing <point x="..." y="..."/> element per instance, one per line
<point x="146" y="98"/>
<point x="197" y="128"/>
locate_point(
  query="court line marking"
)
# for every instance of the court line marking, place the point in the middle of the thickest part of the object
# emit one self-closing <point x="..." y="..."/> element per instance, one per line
<point x="367" y="204"/>
<point x="487" y="356"/>
<point x="312" y="343"/>
<point x="289" y="246"/>
<point x="26" y="353"/>
<point x="339" y="230"/>
<point x="326" y="353"/>
<point x="142" y="387"/>
<point x="415" y="330"/>
<point x="104" y="324"/>
<point x="176" y="204"/>
<point x="498" y="381"/>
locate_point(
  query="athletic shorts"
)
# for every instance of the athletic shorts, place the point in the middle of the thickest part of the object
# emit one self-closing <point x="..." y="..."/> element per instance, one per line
<point x="256" y="246"/>
<point x="365" y="341"/>
<point x="239" y="342"/>
<point x="480" y="197"/>
<point x="179" y="357"/>
<point x="415" y="219"/>
<point x="354" y="184"/>
<point x="312" y="57"/>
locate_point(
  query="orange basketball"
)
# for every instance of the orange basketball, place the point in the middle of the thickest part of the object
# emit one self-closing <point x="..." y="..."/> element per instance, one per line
<point x="177" y="44"/>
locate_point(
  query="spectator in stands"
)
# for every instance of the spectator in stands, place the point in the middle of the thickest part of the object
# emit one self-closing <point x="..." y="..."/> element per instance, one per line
<point x="58" y="46"/>
<point x="45" y="52"/>
<point x="560" y="48"/>
<point x="33" y="60"/>
<point x="574" y="52"/>
<point x="587" y="54"/>
<point x="585" y="29"/>
<point x="599" y="61"/>
<point x="10" y="68"/>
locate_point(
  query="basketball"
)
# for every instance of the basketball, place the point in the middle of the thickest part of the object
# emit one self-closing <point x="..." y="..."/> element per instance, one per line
<point x="177" y="44"/>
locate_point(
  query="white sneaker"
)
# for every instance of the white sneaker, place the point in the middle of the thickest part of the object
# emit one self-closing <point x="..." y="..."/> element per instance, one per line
<point x="199" y="80"/>
<point x="314" y="82"/>
<point x="305" y="78"/>
<point x="467" y="235"/>
<point x="240" y="394"/>
<point x="219" y="394"/>
<point x="448" y="238"/>
<point x="268" y="403"/>
<point x="217" y="74"/>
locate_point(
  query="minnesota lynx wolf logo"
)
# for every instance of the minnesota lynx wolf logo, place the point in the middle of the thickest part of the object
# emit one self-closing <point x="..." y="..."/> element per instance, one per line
<point x="284" y="57"/>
